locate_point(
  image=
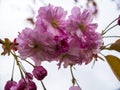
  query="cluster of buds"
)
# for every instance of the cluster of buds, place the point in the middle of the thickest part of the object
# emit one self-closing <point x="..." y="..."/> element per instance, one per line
<point x="27" y="83"/>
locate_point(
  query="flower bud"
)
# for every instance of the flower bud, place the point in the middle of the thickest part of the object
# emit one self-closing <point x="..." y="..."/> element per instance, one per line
<point x="29" y="76"/>
<point x="25" y="84"/>
<point x="118" y="21"/>
<point x="75" y="88"/>
<point x="39" y="72"/>
<point x="10" y="84"/>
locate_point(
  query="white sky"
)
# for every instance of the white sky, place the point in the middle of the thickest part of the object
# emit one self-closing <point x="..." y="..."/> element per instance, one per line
<point x="12" y="21"/>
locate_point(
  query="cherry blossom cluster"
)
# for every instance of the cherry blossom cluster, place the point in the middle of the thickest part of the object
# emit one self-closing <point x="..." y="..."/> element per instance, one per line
<point x="67" y="40"/>
<point x="70" y="41"/>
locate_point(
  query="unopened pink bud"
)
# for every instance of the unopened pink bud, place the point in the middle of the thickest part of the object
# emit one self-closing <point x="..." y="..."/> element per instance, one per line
<point x="10" y="84"/>
<point x="39" y="72"/>
<point x="118" y="21"/>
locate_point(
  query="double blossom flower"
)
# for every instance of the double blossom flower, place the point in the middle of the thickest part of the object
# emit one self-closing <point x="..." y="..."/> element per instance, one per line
<point x="72" y="41"/>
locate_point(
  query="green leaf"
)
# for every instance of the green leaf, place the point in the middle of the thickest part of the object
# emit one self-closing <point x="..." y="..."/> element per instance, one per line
<point x="115" y="46"/>
<point x="114" y="63"/>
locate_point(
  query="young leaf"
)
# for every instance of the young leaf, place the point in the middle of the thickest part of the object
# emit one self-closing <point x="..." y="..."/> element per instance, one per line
<point x="115" y="46"/>
<point x="114" y="63"/>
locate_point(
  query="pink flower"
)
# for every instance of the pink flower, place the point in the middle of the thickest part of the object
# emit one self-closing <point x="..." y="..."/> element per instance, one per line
<point x="39" y="72"/>
<point x="25" y="84"/>
<point x="53" y="17"/>
<point x="81" y="50"/>
<point x="80" y="23"/>
<point x="75" y="88"/>
<point x="92" y="42"/>
<point x="36" y="44"/>
<point x="49" y="41"/>
<point x="84" y="42"/>
<point x="10" y="84"/>
<point x="72" y="57"/>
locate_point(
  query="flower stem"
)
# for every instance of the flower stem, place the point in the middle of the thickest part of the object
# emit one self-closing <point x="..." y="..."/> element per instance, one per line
<point x="109" y="29"/>
<point x="109" y="25"/>
<point x="22" y="68"/>
<point x="29" y="63"/>
<point x="21" y="71"/>
<point x="13" y="70"/>
<point x="16" y="59"/>
<point x="102" y="54"/>
<point x="73" y="78"/>
<point x="105" y="46"/>
<point x="111" y="36"/>
<point x="43" y="85"/>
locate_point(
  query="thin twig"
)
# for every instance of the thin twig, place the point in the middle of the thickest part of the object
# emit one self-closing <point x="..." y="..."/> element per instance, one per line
<point x="13" y="70"/>
<point x="110" y="24"/>
<point x="111" y="36"/>
<point x="109" y="29"/>
<point x="43" y="85"/>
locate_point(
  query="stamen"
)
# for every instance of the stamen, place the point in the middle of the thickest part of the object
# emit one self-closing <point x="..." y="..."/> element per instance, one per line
<point x="82" y="26"/>
<point x="55" y="23"/>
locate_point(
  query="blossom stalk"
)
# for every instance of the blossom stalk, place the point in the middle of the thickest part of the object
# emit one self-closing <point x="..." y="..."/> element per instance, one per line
<point x="43" y="85"/>
<point x="104" y="31"/>
<point x="109" y="29"/>
<point x="74" y="81"/>
<point x="13" y="70"/>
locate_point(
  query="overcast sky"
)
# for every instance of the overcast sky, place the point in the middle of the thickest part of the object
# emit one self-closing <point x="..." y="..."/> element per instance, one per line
<point x="12" y="20"/>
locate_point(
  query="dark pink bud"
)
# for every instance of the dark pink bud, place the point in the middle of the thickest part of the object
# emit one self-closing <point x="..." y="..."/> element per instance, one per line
<point x="32" y="85"/>
<point x="118" y="21"/>
<point x="10" y="84"/>
<point x="26" y="85"/>
<point x="21" y="85"/>
<point x="39" y="72"/>
<point x="75" y="88"/>
<point x="29" y="76"/>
